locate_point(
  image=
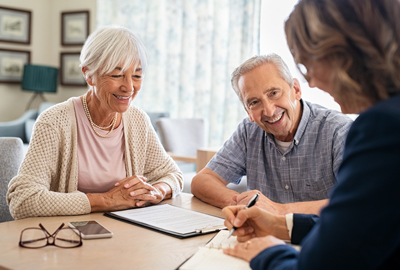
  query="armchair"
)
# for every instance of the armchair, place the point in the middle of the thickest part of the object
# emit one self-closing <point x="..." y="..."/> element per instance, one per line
<point x="22" y="127"/>
<point x="181" y="138"/>
<point x="11" y="155"/>
<point x="16" y="128"/>
<point x="185" y="141"/>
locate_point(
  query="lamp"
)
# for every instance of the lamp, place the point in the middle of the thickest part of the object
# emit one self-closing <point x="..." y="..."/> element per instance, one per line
<point x="39" y="79"/>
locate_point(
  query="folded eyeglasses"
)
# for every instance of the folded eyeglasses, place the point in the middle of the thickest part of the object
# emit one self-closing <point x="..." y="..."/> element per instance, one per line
<point x="40" y="237"/>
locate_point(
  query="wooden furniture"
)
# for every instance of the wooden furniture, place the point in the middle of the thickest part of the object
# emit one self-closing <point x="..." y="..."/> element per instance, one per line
<point x="131" y="247"/>
<point x="204" y="155"/>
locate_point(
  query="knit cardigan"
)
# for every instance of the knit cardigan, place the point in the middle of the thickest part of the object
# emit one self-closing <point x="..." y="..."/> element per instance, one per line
<point x="47" y="181"/>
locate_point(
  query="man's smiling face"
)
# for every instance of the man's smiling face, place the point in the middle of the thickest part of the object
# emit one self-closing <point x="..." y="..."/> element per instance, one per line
<point x="271" y="102"/>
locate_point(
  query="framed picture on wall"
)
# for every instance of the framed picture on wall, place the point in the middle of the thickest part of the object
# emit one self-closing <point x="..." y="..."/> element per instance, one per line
<point x="74" y="27"/>
<point x="15" y="25"/>
<point x="12" y="65"/>
<point x="71" y="74"/>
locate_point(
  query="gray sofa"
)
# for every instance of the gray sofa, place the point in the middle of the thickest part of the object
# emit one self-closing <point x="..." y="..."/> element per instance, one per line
<point x="11" y="155"/>
<point x="23" y="126"/>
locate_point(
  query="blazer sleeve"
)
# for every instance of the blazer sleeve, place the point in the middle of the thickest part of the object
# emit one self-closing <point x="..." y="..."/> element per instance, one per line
<point x="302" y="225"/>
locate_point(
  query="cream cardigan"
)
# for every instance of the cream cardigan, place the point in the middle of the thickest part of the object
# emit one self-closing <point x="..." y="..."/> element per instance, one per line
<point x="47" y="181"/>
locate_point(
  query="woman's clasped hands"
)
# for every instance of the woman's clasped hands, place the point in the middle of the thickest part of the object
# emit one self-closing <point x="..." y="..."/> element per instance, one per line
<point x="134" y="192"/>
<point x="256" y="230"/>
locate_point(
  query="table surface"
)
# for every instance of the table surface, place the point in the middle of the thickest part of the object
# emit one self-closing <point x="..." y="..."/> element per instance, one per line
<point x="131" y="247"/>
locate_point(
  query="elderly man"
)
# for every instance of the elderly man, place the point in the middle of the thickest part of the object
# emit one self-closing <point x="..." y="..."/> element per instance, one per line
<point x="289" y="149"/>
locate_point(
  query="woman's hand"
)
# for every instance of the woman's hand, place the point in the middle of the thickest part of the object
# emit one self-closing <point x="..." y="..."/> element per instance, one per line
<point x="144" y="193"/>
<point x="249" y="249"/>
<point x="128" y="193"/>
<point x="254" y="222"/>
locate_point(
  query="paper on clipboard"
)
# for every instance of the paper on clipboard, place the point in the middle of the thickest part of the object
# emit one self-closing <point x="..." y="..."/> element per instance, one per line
<point x="173" y="219"/>
<point x="212" y="257"/>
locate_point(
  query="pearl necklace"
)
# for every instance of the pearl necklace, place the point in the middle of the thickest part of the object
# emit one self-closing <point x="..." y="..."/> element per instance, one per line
<point x="112" y="125"/>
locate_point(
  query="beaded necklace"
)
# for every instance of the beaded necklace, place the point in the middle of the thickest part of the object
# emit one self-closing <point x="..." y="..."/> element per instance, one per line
<point x="112" y="125"/>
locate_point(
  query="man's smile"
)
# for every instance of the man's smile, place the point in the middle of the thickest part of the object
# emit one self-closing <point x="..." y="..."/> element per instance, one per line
<point x="275" y="119"/>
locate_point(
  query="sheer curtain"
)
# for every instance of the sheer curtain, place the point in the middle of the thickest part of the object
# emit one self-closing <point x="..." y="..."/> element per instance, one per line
<point x="193" y="47"/>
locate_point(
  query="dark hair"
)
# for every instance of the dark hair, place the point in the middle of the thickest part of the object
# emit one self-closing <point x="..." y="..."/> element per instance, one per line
<point x="360" y="38"/>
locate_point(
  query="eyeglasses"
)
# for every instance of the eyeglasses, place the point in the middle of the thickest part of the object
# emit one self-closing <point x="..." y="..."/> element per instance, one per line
<point x="40" y="237"/>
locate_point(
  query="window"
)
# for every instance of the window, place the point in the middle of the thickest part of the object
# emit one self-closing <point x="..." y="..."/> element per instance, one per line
<point x="273" y="40"/>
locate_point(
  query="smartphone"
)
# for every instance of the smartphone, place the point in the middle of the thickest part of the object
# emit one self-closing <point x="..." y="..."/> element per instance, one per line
<point x="90" y="229"/>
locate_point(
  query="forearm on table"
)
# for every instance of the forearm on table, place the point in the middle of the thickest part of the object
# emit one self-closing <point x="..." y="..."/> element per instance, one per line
<point x="309" y="207"/>
<point x="99" y="202"/>
<point x="212" y="191"/>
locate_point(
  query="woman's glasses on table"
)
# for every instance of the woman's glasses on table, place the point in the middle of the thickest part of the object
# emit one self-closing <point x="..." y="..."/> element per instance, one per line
<point x="40" y="237"/>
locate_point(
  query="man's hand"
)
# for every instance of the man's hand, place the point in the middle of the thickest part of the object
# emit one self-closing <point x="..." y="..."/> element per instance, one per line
<point x="263" y="202"/>
<point x="307" y="207"/>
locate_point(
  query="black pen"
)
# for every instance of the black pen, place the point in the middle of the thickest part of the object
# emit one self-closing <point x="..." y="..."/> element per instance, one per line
<point x="251" y="203"/>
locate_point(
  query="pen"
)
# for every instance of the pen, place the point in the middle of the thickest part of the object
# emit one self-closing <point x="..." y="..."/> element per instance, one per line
<point x="251" y="203"/>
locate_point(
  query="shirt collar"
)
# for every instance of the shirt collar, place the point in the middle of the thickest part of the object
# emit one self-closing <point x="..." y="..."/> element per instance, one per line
<point x="303" y="122"/>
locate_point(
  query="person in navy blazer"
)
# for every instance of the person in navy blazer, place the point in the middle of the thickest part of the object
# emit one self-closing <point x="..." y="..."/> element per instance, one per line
<point x="350" y="49"/>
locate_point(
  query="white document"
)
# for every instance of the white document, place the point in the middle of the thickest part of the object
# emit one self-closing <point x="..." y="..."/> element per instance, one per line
<point x="166" y="217"/>
<point x="212" y="257"/>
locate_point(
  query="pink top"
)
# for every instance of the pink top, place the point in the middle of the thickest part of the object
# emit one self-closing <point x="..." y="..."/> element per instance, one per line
<point x="101" y="161"/>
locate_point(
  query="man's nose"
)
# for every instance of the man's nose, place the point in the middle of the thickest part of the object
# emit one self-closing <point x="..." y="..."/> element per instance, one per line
<point x="268" y="108"/>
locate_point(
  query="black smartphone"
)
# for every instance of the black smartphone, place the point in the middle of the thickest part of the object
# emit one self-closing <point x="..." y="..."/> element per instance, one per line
<point x="90" y="229"/>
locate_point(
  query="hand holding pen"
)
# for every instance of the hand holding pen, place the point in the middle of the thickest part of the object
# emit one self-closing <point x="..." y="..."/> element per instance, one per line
<point x="251" y="203"/>
<point x="251" y="222"/>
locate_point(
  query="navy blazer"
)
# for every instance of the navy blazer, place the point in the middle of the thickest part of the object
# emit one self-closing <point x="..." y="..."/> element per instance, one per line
<point x="302" y="225"/>
<point x="360" y="227"/>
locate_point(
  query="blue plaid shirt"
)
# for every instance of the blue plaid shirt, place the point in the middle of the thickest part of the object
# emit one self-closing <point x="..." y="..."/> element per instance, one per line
<point x="305" y="172"/>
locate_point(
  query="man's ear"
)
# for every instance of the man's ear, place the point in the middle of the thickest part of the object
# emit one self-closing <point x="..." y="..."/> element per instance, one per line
<point x="88" y="79"/>
<point x="297" y="88"/>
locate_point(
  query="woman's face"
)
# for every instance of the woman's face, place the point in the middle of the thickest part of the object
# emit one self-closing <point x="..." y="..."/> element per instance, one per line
<point x="116" y="90"/>
<point x="321" y="75"/>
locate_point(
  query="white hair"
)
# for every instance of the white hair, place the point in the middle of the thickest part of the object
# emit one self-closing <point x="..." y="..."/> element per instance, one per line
<point x="257" y="61"/>
<point x="112" y="46"/>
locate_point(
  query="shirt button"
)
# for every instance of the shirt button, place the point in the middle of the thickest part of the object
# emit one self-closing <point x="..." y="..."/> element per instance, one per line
<point x="297" y="142"/>
<point x="283" y="158"/>
<point x="287" y="187"/>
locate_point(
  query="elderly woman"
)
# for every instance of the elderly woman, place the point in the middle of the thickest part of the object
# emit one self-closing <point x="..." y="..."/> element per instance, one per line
<point x="96" y="152"/>
<point x="350" y="49"/>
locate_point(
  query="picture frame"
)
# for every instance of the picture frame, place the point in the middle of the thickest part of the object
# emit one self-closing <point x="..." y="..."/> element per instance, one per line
<point x="12" y="65"/>
<point x="74" y="27"/>
<point x="70" y="71"/>
<point x="15" y="25"/>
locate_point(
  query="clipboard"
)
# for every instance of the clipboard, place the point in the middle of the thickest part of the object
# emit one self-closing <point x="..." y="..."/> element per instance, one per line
<point x="171" y="220"/>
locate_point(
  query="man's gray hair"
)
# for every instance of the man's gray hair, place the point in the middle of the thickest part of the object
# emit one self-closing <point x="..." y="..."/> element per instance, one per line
<point x="110" y="47"/>
<point x="255" y="62"/>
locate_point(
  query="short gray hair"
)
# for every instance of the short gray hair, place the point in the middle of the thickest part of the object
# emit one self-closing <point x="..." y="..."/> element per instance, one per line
<point x="257" y="61"/>
<point x="109" y="47"/>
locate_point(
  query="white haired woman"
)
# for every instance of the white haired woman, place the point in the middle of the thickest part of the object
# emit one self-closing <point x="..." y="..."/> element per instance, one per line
<point x="96" y="152"/>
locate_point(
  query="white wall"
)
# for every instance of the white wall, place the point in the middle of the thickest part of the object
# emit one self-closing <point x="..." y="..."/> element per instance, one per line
<point x="45" y="49"/>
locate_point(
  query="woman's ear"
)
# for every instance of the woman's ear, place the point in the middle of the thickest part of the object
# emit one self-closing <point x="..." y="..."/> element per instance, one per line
<point x="88" y="79"/>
